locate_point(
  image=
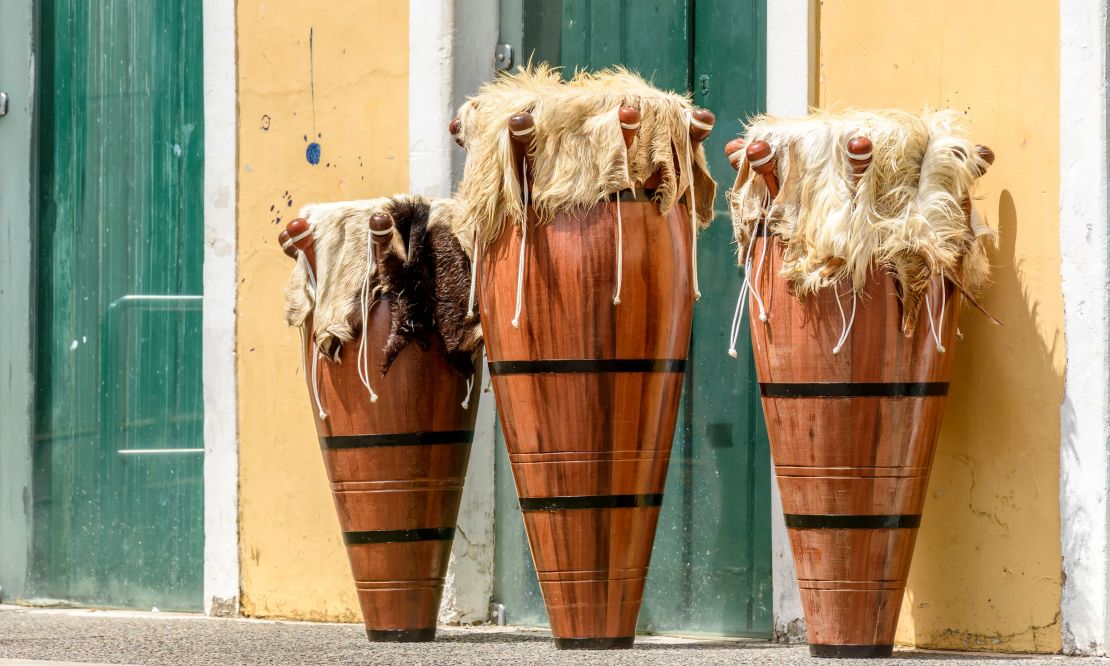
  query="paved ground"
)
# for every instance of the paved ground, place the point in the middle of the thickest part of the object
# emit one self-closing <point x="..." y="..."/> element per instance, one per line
<point x="111" y="637"/>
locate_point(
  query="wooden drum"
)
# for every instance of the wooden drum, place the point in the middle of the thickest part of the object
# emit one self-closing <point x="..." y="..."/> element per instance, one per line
<point x="854" y="375"/>
<point x="396" y="464"/>
<point x="852" y="441"/>
<point x="588" y="396"/>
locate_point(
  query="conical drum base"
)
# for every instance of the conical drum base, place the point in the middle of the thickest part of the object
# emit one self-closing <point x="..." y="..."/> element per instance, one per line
<point x="852" y="439"/>
<point x="587" y="393"/>
<point x="396" y="468"/>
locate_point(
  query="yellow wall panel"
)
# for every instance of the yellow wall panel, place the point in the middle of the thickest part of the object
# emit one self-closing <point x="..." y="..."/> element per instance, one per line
<point x="336" y="74"/>
<point x="986" y="572"/>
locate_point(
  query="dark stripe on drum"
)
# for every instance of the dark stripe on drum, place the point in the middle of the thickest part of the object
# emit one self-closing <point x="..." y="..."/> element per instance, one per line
<point x="854" y="390"/>
<point x="397" y="439"/>
<point x="603" y="643"/>
<point x="401" y="635"/>
<point x="806" y="521"/>
<point x="563" y="366"/>
<point x="574" y="502"/>
<point x="851" y="651"/>
<point x="399" y="536"/>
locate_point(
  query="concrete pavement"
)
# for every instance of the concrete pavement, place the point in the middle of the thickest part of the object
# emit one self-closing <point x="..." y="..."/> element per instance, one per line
<point x="123" y="637"/>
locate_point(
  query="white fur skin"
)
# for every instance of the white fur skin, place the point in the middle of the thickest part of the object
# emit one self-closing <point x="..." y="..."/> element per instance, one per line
<point x="578" y="155"/>
<point x="905" y="212"/>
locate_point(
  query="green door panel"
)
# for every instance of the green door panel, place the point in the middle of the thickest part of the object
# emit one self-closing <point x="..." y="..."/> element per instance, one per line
<point x="711" y="566"/>
<point x="118" y="448"/>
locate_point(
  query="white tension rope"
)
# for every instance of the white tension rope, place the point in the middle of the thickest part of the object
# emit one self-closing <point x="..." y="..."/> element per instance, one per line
<point x="693" y="122"/>
<point x="937" y="329"/>
<point x="523" y="241"/>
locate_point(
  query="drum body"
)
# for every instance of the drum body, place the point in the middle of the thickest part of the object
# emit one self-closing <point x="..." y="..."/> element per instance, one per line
<point x="852" y="441"/>
<point x="396" y="468"/>
<point x="587" y="393"/>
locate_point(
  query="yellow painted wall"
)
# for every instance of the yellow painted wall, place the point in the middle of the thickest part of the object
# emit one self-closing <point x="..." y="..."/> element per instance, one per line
<point x="986" y="572"/>
<point x="293" y="563"/>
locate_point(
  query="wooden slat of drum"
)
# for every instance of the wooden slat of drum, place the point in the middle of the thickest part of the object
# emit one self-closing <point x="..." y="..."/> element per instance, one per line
<point x="582" y="435"/>
<point x="396" y="468"/>
<point x="853" y="555"/>
<point x="589" y="411"/>
<point x="853" y="432"/>
<point x="853" y="496"/>
<point x="612" y="548"/>
<point x="570" y="278"/>
<point x="852" y="617"/>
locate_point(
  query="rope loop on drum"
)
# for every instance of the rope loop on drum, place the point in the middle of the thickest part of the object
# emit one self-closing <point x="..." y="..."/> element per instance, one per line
<point x="936" y="329"/>
<point x="620" y="251"/>
<point x="316" y="382"/>
<point x="523" y="242"/>
<point x="465" y="404"/>
<point x="473" y="275"/>
<point x="692" y="201"/>
<point x="362" y="359"/>
<point x="845" y="324"/>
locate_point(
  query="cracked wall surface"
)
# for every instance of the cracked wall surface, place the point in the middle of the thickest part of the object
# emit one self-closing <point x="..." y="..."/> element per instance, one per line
<point x="987" y="568"/>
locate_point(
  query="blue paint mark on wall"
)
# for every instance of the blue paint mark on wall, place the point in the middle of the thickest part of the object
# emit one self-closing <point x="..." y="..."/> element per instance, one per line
<point x="312" y="153"/>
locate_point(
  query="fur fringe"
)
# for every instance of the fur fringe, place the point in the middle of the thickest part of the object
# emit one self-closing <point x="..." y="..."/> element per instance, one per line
<point x="425" y="270"/>
<point x="578" y="155"/>
<point x="905" y="213"/>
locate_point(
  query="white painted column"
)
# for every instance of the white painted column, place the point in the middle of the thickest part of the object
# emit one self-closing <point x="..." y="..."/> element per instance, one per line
<point x="17" y="78"/>
<point x="1084" y="247"/>
<point x="221" y="430"/>
<point x="791" y="79"/>
<point x="451" y="45"/>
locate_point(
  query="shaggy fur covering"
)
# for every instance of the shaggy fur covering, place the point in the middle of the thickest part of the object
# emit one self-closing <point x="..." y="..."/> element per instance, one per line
<point x="905" y="213"/>
<point x="578" y="154"/>
<point x="423" y="277"/>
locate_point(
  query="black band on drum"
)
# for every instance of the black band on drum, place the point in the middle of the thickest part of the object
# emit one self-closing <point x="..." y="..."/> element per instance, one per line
<point x="807" y="521"/>
<point x="397" y="439"/>
<point x="853" y="389"/>
<point x="399" y="536"/>
<point x="576" y="502"/>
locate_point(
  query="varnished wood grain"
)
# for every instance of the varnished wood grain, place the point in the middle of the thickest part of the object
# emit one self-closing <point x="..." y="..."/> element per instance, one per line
<point x="590" y="434"/>
<point x="850" y="456"/>
<point x="387" y="489"/>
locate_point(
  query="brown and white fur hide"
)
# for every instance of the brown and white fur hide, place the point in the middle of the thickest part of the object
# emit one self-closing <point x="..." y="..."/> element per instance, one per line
<point x="905" y="213"/>
<point x="424" y="277"/>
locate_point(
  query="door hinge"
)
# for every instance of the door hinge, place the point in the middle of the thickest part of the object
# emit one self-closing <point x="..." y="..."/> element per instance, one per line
<point x="3" y="104"/>
<point x="503" y="56"/>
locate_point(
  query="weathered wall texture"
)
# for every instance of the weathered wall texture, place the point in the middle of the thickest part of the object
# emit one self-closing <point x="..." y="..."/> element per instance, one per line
<point x="986" y="573"/>
<point x="333" y="74"/>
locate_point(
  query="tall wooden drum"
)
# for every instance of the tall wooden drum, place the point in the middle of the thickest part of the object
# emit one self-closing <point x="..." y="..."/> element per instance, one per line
<point x="395" y="445"/>
<point x="854" y="351"/>
<point x="586" y="303"/>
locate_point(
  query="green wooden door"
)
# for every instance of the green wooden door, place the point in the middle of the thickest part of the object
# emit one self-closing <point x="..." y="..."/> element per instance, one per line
<point x="118" y="451"/>
<point x="711" y="567"/>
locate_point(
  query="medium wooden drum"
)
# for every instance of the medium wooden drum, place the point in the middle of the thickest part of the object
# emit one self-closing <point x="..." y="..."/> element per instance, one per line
<point x="588" y="396"/>
<point x="852" y="441"/>
<point x="857" y="269"/>
<point x="396" y="468"/>
<point x="394" y="430"/>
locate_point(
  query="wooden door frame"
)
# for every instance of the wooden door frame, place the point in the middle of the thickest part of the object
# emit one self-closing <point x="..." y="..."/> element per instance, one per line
<point x="16" y="270"/>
